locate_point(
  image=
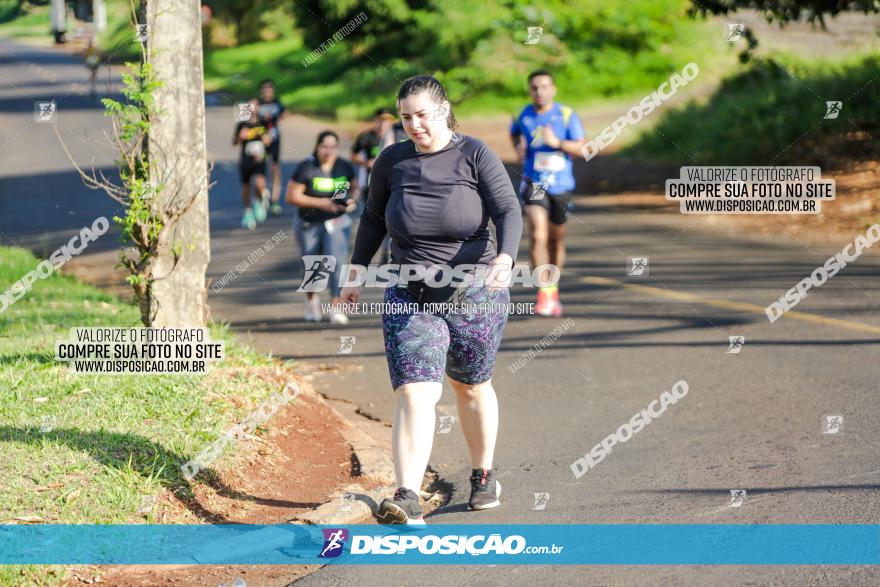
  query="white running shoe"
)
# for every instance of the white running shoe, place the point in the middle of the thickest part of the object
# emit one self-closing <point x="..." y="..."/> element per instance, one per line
<point x="338" y="318"/>
<point x="313" y="309"/>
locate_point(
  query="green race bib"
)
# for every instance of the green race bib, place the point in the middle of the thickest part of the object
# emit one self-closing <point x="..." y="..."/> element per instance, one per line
<point x="322" y="184"/>
<point x="329" y="184"/>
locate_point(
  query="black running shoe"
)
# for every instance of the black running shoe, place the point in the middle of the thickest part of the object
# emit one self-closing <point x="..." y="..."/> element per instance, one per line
<point x="485" y="490"/>
<point x="403" y="509"/>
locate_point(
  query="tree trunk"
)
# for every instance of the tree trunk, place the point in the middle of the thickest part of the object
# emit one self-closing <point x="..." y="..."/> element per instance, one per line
<point x="178" y="163"/>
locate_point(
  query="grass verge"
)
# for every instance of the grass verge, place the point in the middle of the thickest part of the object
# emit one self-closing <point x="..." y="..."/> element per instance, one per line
<point x="115" y="441"/>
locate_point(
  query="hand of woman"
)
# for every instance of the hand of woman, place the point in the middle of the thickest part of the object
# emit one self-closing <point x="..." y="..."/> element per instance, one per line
<point x="500" y="275"/>
<point x="328" y="205"/>
<point x="350" y="294"/>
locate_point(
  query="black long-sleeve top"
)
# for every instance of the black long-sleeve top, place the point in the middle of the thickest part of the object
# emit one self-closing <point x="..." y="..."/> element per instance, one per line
<point x="436" y="206"/>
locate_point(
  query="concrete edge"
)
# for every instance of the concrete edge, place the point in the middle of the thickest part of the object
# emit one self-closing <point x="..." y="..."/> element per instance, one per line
<point x="353" y="503"/>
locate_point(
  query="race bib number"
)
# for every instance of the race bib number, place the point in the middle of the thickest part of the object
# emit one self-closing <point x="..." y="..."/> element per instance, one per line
<point x="549" y="162"/>
<point x="336" y="186"/>
<point x="255" y="149"/>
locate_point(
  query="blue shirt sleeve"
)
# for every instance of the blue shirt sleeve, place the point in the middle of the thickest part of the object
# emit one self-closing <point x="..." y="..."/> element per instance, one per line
<point x="575" y="128"/>
<point x="515" y="129"/>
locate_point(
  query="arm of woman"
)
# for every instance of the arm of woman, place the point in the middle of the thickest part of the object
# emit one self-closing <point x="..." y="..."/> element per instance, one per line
<point x="504" y="208"/>
<point x="295" y="192"/>
<point x="371" y="230"/>
<point x="501" y="201"/>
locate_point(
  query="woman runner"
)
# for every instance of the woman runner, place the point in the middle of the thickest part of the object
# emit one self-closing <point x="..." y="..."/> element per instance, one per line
<point x="434" y="195"/>
<point x="323" y="187"/>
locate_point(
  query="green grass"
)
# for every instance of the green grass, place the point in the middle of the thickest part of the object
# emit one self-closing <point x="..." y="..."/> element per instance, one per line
<point x="33" y="22"/>
<point x="116" y="438"/>
<point x="118" y="41"/>
<point x="773" y="110"/>
<point x="340" y="84"/>
<point x="334" y="86"/>
<point x="623" y="55"/>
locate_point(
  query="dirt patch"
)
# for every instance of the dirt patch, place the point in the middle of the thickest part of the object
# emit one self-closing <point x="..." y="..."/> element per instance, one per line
<point x="291" y="468"/>
<point x="856" y="207"/>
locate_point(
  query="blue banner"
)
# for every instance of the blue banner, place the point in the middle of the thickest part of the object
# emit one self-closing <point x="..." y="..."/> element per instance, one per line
<point x="583" y="544"/>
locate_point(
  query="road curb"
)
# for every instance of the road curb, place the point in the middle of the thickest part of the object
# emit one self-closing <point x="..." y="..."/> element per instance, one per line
<point x="374" y="457"/>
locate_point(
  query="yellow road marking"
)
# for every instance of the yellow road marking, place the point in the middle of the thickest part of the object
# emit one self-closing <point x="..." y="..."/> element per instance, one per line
<point x="727" y="305"/>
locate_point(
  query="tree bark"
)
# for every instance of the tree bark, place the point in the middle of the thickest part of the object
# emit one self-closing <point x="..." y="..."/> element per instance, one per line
<point x="178" y="163"/>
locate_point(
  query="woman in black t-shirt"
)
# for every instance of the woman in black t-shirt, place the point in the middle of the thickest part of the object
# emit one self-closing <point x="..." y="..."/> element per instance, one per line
<point x="324" y="188"/>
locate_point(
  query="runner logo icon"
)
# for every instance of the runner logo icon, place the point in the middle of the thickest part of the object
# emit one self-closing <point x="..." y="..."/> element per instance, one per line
<point x="638" y="267"/>
<point x="340" y="191"/>
<point x="541" y="500"/>
<point x="538" y="191"/>
<point x="346" y="344"/>
<point x="734" y="31"/>
<point x="534" y="35"/>
<point x="832" y="424"/>
<point x="44" y="111"/>
<point x="446" y="424"/>
<point x="244" y="111"/>
<point x="319" y="268"/>
<point x="736" y="344"/>
<point x="832" y="109"/>
<point x="737" y="498"/>
<point x="334" y="542"/>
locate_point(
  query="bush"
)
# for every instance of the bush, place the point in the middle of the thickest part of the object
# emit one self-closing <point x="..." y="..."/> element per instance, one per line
<point x="774" y="111"/>
<point x="594" y="49"/>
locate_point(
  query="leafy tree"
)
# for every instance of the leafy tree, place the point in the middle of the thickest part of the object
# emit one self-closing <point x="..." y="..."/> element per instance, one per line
<point x="246" y="16"/>
<point x="784" y="11"/>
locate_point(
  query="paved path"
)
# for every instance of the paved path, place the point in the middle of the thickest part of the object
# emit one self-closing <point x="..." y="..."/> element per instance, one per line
<point x="750" y="421"/>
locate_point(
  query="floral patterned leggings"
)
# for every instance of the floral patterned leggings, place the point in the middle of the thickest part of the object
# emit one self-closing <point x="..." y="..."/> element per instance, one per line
<point x="463" y="341"/>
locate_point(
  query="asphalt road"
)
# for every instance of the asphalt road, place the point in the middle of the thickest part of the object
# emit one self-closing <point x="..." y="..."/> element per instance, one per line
<point x="752" y="420"/>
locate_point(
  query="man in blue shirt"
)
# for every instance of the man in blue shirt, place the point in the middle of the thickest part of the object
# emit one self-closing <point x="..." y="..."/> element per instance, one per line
<point x="546" y="135"/>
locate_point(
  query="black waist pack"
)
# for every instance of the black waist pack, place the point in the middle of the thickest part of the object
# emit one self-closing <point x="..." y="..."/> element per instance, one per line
<point x="431" y="294"/>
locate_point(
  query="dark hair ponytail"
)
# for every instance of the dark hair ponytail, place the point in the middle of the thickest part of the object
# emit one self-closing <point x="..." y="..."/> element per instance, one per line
<point x="323" y="135"/>
<point x="431" y="86"/>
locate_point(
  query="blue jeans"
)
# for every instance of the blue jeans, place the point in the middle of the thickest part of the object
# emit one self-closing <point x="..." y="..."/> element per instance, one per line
<point x="314" y="239"/>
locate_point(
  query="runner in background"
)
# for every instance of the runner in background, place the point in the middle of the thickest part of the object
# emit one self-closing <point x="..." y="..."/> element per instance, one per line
<point x="325" y="189"/>
<point x="271" y="113"/>
<point x="254" y="139"/>
<point x="394" y="135"/>
<point x="366" y="148"/>
<point x="546" y="135"/>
